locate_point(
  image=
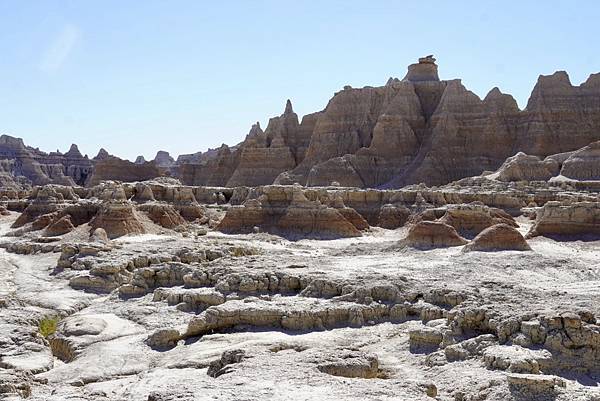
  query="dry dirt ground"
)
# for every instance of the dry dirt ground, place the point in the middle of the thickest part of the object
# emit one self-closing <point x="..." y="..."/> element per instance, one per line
<point x="346" y="355"/>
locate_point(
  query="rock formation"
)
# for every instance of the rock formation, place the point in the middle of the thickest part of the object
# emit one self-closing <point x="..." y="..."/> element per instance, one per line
<point x="522" y="167"/>
<point x="577" y="220"/>
<point x="499" y="237"/>
<point x="286" y="211"/>
<point x="419" y="129"/>
<point x="583" y="164"/>
<point x="471" y="219"/>
<point x="113" y="168"/>
<point x="42" y="168"/>
<point x="117" y="218"/>
<point x="433" y="234"/>
<point x="163" y="159"/>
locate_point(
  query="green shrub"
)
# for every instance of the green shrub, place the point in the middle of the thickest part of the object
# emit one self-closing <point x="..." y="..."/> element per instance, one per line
<point x="47" y="325"/>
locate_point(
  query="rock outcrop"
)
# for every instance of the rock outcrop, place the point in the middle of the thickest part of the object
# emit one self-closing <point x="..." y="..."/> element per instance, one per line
<point x="419" y="129"/>
<point x="287" y="212"/>
<point x="432" y="234"/>
<point x="471" y="219"/>
<point x="522" y="167"/>
<point x="117" y="218"/>
<point x="113" y="168"/>
<point x="577" y="220"/>
<point x="40" y="168"/>
<point x="499" y="237"/>
<point x="584" y="164"/>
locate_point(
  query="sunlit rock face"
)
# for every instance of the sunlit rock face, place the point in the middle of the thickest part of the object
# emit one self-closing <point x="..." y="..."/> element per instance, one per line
<point x="418" y="129"/>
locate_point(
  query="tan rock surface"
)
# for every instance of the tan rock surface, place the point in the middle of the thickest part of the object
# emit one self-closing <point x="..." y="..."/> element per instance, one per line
<point x="117" y="218"/>
<point x="498" y="237"/>
<point x="433" y="234"/>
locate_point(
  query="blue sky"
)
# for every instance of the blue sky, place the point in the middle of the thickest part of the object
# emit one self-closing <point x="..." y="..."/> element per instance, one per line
<point x="139" y="76"/>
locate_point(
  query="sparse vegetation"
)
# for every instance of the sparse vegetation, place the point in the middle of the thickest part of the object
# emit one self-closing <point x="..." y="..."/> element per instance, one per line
<point x="47" y="326"/>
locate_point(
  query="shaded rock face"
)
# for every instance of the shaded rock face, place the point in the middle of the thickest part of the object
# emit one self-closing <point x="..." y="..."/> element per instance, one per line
<point x="583" y="164"/>
<point x="419" y="129"/>
<point x="433" y="234"/>
<point x="40" y="168"/>
<point x="114" y="168"/>
<point x="286" y="211"/>
<point x="578" y="220"/>
<point x="164" y="215"/>
<point x="499" y="237"/>
<point x="212" y="171"/>
<point x="60" y="227"/>
<point x="163" y="159"/>
<point x="265" y="155"/>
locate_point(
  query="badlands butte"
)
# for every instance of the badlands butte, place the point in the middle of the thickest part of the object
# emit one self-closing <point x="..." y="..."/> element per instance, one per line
<point x="409" y="242"/>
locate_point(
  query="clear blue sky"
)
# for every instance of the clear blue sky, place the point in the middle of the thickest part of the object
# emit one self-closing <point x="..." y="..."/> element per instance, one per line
<point x="139" y="76"/>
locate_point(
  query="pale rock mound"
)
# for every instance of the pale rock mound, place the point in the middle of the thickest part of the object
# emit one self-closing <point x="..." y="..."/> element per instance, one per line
<point x="433" y="234"/>
<point x="99" y="235"/>
<point x="498" y="238"/>
<point x="522" y="167"/>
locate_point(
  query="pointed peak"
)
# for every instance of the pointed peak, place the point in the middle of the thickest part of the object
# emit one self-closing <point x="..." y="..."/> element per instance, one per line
<point x="102" y="154"/>
<point x="288" y="107"/>
<point x="73" y="152"/>
<point x="494" y="93"/>
<point x="255" y="131"/>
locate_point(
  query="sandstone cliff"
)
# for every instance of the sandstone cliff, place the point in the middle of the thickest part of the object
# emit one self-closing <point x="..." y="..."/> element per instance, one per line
<point x="418" y="129"/>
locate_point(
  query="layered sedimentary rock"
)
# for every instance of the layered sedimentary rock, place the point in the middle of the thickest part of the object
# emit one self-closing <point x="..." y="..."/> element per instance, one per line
<point x="213" y="171"/>
<point x="287" y="211"/>
<point x="471" y="219"/>
<point x="578" y="219"/>
<point x="163" y="159"/>
<point x="584" y="164"/>
<point x="433" y="234"/>
<point x="42" y="168"/>
<point x="265" y="155"/>
<point x="117" y="218"/>
<point x="499" y="237"/>
<point x="419" y="129"/>
<point x="522" y="167"/>
<point x="113" y="168"/>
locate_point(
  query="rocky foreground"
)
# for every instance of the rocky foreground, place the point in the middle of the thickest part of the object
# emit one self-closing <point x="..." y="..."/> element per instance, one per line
<point x="484" y="289"/>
